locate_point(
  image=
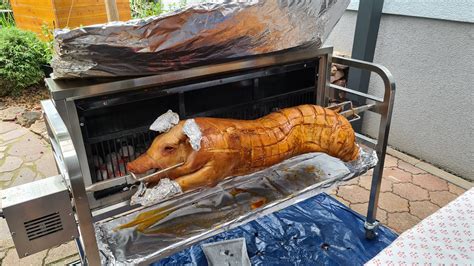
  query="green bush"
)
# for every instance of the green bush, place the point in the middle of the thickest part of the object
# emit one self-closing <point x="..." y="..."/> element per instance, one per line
<point x="4" y="4"/>
<point x="147" y="8"/>
<point x="21" y="56"/>
<point x="6" y="20"/>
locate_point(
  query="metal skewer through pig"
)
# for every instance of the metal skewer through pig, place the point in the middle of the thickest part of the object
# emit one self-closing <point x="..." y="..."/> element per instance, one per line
<point x="220" y="148"/>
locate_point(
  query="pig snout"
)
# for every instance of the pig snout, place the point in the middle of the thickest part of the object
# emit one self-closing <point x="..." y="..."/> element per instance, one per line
<point x="140" y="165"/>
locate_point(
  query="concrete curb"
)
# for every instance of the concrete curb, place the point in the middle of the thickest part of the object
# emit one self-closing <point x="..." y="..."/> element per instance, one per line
<point x="431" y="169"/>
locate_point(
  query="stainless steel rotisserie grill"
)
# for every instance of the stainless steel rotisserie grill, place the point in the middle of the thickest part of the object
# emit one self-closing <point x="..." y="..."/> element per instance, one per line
<point x="97" y="126"/>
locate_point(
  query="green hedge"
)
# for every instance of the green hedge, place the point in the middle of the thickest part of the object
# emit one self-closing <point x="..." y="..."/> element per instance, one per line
<point x="22" y="54"/>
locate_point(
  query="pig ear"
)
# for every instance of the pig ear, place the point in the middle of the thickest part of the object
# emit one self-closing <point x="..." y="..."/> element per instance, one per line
<point x="193" y="132"/>
<point x="165" y="122"/>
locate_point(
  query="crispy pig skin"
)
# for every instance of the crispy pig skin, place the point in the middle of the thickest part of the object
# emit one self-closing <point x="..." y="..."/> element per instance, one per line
<point x="237" y="147"/>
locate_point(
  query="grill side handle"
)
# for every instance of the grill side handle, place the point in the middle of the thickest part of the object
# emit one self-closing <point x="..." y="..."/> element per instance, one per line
<point x="384" y="107"/>
<point x="68" y="165"/>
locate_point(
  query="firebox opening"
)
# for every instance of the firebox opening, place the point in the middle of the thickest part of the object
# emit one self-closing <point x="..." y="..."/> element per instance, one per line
<point x="116" y="127"/>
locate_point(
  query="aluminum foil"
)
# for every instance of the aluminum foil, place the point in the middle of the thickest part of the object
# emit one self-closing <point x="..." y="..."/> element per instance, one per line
<point x="366" y="160"/>
<point x="149" y="196"/>
<point x="197" y="35"/>
<point x="196" y="215"/>
<point x="165" y="122"/>
<point x="193" y="132"/>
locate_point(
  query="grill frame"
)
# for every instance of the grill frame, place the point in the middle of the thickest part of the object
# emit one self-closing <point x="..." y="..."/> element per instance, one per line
<point x="66" y="94"/>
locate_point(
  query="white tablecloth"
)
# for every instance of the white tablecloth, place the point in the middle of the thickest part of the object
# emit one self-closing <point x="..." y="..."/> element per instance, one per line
<point x="446" y="237"/>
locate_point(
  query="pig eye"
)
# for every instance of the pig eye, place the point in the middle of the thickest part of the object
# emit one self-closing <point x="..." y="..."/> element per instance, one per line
<point x="169" y="148"/>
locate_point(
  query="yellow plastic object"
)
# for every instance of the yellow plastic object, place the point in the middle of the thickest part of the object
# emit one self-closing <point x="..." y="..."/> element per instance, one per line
<point x="36" y="15"/>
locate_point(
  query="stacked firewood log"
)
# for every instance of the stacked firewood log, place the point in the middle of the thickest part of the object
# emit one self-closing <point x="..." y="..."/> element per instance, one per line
<point x="339" y="74"/>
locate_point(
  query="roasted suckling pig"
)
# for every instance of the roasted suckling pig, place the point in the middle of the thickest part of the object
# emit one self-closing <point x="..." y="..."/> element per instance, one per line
<point x="227" y="147"/>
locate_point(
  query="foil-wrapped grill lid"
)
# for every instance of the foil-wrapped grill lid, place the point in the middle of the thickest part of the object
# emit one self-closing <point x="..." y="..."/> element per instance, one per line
<point x="197" y="35"/>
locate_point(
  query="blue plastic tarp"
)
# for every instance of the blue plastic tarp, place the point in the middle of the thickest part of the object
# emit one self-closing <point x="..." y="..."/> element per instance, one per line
<point x="317" y="231"/>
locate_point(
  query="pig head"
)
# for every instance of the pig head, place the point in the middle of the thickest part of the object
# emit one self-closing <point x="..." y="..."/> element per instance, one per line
<point x="174" y="147"/>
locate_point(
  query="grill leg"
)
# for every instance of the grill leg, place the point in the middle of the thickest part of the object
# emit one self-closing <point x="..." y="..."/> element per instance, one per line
<point x="371" y="224"/>
<point x="371" y="230"/>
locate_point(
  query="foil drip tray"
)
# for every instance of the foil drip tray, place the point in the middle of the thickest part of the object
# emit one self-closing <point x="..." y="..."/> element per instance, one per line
<point x="179" y="222"/>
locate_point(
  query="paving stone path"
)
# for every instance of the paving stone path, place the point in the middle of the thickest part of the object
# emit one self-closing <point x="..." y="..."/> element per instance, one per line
<point x="408" y="195"/>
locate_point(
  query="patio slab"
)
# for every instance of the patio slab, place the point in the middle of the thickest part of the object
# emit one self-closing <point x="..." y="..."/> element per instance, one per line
<point x="409" y="193"/>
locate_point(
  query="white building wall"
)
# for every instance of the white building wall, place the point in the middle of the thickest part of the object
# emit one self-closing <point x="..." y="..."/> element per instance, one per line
<point x="454" y="10"/>
<point x="432" y="61"/>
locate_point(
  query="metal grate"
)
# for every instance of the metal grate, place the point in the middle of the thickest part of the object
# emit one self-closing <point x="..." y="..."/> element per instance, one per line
<point x="262" y="107"/>
<point x="109" y="157"/>
<point x="43" y="226"/>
